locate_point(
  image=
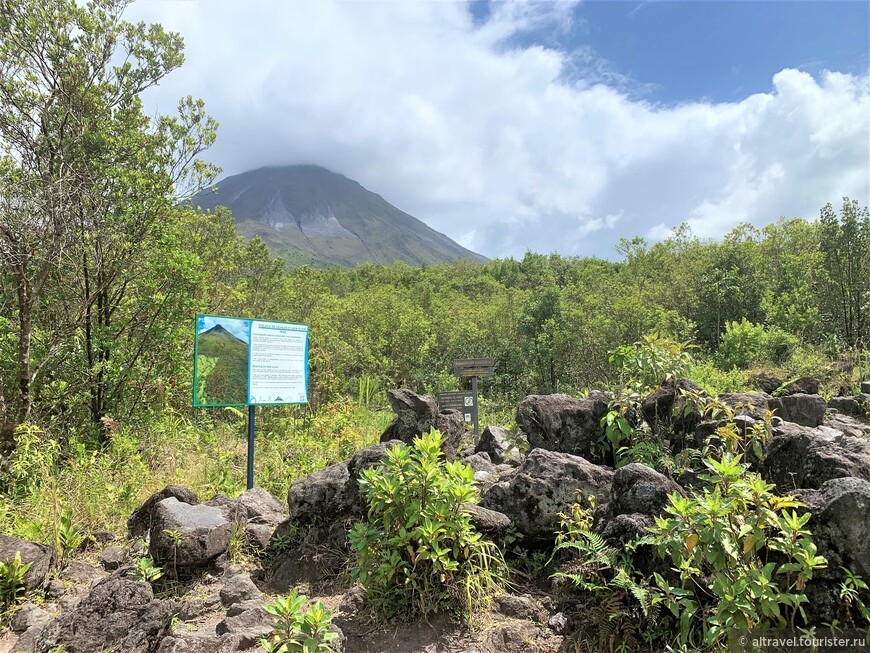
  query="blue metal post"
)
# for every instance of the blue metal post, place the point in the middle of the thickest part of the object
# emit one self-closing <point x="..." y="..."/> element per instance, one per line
<point x="250" y="447"/>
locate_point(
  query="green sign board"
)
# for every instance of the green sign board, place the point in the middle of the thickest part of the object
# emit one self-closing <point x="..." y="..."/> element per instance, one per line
<point x="240" y="362"/>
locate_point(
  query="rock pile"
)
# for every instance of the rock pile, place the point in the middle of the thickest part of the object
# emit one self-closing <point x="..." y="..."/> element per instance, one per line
<point x="819" y="451"/>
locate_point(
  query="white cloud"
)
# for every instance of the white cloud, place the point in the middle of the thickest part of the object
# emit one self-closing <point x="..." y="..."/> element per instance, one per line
<point x="493" y="143"/>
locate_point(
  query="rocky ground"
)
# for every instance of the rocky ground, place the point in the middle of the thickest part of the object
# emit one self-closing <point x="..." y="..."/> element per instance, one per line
<point x="223" y="559"/>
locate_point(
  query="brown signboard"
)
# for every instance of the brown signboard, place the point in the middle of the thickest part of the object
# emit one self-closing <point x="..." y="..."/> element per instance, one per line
<point x="474" y="367"/>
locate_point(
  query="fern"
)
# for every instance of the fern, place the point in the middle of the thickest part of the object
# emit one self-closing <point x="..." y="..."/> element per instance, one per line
<point x="619" y="605"/>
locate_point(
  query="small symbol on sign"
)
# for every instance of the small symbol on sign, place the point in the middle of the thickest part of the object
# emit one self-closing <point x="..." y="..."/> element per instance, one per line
<point x="467" y="417"/>
<point x="469" y="401"/>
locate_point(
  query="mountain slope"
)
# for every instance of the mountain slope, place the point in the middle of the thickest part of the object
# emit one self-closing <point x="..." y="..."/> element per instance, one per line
<point x="310" y="215"/>
<point x="225" y="378"/>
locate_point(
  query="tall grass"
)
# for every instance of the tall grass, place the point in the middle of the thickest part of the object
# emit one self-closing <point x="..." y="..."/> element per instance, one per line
<point x="99" y="489"/>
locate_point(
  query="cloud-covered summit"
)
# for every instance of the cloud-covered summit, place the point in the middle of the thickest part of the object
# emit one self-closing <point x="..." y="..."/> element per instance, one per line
<point x="498" y="141"/>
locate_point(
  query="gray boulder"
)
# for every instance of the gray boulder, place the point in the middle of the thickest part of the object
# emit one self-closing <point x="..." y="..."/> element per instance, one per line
<point x="262" y="506"/>
<point x="258" y="536"/>
<point x="802" y="457"/>
<point x="511" y="637"/>
<point x="855" y="406"/>
<point x="803" y="409"/>
<point x="39" y="556"/>
<point x="500" y="446"/>
<point x="804" y="385"/>
<point x="865" y="387"/>
<point x="119" y="615"/>
<point x="840" y="525"/>
<point x="239" y="588"/>
<point x="113" y="557"/>
<point x="848" y="425"/>
<point x="28" y="623"/>
<point x="562" y="423"/>
<point x="766" y="383"/>
<point x="546" y="484"/>
<point x="320" y="495"/>
<point x="28" y="616"/>
<point x="203" y="532"/>
<point x="140" y="521"/>
<point x="520" y="607"/>
<point x="639" y="489"/>
<point x="195" y="642"/>
<point x="479" y="462"/>
<point x="248" y="621"/>
<point x="488" y="522"/>
<point x="418" y="414"/>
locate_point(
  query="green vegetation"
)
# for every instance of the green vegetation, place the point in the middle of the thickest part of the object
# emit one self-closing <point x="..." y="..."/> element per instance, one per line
<point x="11" y="582"/>
<point x="619" y="604"/>
<point x="222" y="368"/>
<point x="103" y="268"/>
<point x="743" y="555"/>
<point x="418" y="553"/>
<point x="298" y="629"/>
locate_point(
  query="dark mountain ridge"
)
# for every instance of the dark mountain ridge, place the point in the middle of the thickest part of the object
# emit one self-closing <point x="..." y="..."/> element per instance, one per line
<point x="310" y="215"/>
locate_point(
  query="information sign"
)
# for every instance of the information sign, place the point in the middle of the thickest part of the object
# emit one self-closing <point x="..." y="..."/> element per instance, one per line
<point x="464" y="402"/>
<point x="239" y="362"/>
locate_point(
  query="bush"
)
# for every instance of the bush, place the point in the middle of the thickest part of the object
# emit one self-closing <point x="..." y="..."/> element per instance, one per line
<point x="418" y="553"/>
<point x="615" y="600"/>
<point x="649" y="362"/>
<point x="742" y="553"/>
<point x="745" y="344"/>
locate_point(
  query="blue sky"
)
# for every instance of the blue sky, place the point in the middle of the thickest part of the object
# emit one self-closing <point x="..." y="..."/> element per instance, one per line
<point x="551" y="126"/>
<point x="240" y="328"/>
<point x="722" y="51"/>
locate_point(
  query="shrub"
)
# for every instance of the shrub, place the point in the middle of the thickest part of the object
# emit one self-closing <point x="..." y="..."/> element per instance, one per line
<point x="12" y="581"/>
<point x="745" y="344"/>
<point x="298" y="629"/>
<point x="418" y="553"/>
<point x="649" y="362"/>
<point x="743" y="555"/>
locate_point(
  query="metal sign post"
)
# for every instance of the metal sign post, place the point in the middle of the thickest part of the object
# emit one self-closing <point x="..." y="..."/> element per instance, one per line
<point x="251" y="416"/>
<point x="473" y="367"/>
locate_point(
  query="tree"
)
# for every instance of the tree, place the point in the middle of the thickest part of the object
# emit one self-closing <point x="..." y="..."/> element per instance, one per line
<point x="845" y="245"/>
<point x="89" y="190"/>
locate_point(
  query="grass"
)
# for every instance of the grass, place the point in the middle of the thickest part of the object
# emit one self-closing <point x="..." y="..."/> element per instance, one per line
<point x="206" y="452"/>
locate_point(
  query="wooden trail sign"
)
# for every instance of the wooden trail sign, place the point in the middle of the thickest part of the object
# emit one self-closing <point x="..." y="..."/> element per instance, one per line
<point x="465" y="367"/>
<point x="473" y="368"/>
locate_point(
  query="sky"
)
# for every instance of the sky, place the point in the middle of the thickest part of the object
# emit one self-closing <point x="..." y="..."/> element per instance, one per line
<point x="240" y="328"/>
<point x="543" y="126"/>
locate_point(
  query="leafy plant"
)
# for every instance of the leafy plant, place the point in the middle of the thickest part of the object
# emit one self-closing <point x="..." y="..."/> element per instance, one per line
<point x="618" y="605"/>
<point x="69" y="536"/>
<point x="146" y="571"/>
<point x="852" y="588"/>
<point x="744" y="344"/>
<point x="298" y="629"/>
<point x="649" y="362"/>
<point x="12" y="581"/>
<point x="742" y="553"/>
<point x="418" y="553"/>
